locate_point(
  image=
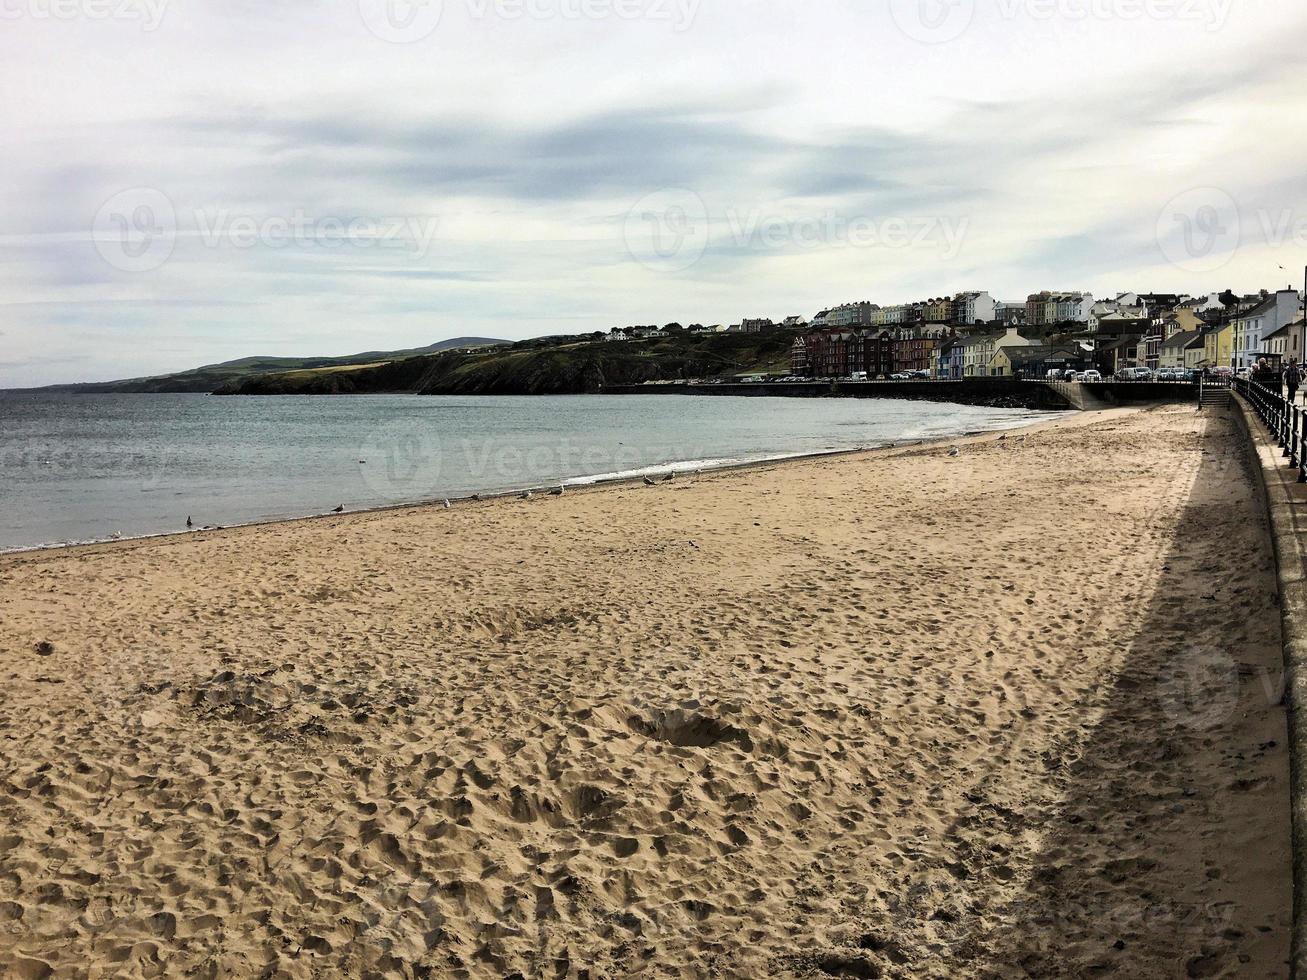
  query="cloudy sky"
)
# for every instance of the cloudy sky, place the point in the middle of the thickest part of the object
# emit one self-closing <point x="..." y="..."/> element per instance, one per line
<point x="186" y="183"/>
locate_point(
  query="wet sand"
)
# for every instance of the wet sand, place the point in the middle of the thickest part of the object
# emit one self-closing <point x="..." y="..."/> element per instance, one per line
<point x="1013" y="712"/>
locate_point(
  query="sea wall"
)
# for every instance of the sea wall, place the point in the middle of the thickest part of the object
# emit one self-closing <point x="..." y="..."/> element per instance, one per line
<point x="996" y="392"/>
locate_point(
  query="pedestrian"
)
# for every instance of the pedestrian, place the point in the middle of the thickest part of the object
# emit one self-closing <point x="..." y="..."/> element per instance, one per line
<point x="1293" y="380"/>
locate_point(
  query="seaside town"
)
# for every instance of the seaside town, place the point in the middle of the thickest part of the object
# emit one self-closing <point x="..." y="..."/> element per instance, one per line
<point x="1049" y="335"/>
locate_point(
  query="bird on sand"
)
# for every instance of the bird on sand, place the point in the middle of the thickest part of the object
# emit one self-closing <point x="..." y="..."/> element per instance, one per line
<point x="557" y="491"/>
<point x="955" y="452"/>
<point x="189" y="522"/>
<point x="1002" y="438"/>
<point x="339" y="510"/>
<point x="447" y="505"/>
<point x="669" y="477"/>
<point x="649" y="483"/>
<point x="526" y="495"/>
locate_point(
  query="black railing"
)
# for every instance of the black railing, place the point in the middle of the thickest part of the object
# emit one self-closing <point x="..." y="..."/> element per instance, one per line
<point x="1286" y="422"/>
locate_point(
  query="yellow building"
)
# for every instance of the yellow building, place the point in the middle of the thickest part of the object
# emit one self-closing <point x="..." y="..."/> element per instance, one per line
<point x="1218" y="347"/>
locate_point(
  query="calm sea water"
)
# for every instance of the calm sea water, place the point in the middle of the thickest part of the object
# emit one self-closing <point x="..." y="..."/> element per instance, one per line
<point x="84" y="467"/>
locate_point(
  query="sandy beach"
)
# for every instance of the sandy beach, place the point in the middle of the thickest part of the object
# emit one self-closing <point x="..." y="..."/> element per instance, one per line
<point x="1011" y="712"/>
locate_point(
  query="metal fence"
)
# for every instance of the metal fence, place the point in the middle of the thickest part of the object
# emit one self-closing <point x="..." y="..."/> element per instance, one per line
<point x="1285" y="420"/>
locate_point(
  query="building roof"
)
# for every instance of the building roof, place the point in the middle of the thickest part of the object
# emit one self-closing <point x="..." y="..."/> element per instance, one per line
<point x="1041" y="352"/>
<point x="1128" y="340"/>
<point x="1261" y="309"/>
<point x="1183" y="339"/>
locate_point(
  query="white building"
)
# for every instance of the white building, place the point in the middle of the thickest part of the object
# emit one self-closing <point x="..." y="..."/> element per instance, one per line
<point x="1261" y="321"/>
<point x="976" y="307"/>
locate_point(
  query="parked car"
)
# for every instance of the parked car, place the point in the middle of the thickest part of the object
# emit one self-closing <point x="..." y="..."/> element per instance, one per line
<point x="1091" y="377"/>
<point x="900" y="377"/>
<point x="920" y="375"/>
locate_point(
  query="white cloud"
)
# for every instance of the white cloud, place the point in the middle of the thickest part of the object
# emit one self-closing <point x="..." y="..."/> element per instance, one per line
<point x="1041" y="148"/>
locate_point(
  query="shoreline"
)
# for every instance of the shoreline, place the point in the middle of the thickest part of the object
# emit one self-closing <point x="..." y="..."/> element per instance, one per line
<point x="572" y="484"/>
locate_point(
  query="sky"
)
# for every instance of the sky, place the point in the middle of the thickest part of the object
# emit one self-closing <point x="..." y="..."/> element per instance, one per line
<point x="186" y="183"/>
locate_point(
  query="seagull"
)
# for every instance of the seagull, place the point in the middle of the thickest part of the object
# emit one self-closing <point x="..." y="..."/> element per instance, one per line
<point x="526" y="495"/>
<point x="557" y="491"/>
<point x="339" y="510"/>
<point x="649" y="483"/>
<point x="189" y="522"/>
<point x="955" y="452"/>
<point x="447" y="505"/>
<point x="669" y="477"/>
<point x="1002" y="438"/>
<point x="476" y="496"/>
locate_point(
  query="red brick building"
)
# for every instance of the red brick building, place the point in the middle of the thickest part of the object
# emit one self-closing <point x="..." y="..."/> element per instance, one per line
<point x="838" y="353"/>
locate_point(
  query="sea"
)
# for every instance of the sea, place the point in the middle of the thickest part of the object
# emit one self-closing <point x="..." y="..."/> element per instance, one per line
<point x="77" y="468"/>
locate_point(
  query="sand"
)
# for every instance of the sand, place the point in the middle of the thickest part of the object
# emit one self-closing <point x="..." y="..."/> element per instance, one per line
<point x="1013" y="712"/>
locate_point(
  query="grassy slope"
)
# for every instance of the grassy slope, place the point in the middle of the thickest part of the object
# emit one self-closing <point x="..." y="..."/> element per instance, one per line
<point x="545" y="367"/>
<point x="212" y="377"/>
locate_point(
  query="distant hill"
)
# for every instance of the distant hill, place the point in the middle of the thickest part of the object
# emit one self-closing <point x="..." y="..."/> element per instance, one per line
<point x="546" y="366"/>
<point x="211" y="377"/>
